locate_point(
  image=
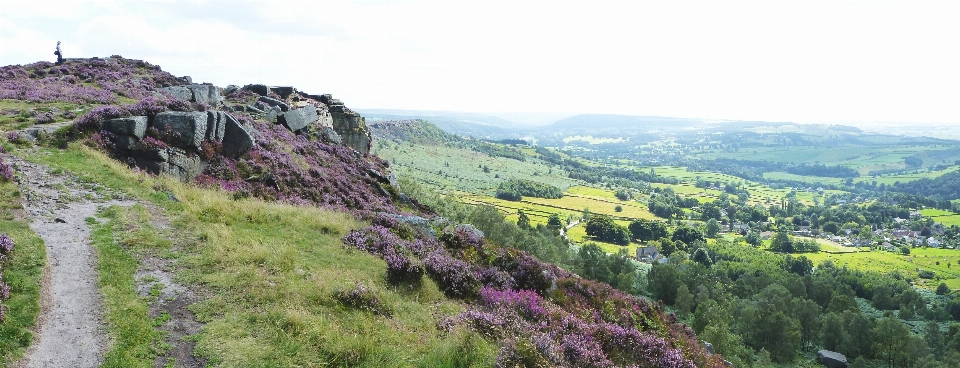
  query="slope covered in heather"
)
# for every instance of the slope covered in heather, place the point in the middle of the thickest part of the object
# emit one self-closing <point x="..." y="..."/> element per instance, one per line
<point x="303" y="249"/>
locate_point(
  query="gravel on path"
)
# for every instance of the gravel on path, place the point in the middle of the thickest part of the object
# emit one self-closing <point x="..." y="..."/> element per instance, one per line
<point x="70" y="329"/>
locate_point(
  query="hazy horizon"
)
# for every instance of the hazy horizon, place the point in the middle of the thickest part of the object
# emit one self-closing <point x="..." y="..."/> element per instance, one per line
<point x="852" y="63"/>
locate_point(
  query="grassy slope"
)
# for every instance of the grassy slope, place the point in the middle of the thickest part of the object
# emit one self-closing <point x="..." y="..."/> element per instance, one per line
<point x="272" y="271"/>
<point x="23" y="272"/>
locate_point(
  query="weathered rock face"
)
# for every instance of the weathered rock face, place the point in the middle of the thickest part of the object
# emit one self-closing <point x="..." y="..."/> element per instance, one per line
<point x="236" y="139"/>
<point x="180" y="134"/>
<point x="297" y="119"/>
<point x="351" y="127"/>
<point x="831" y="359"/>
<point x="174" y="161"/>
<point x="182" y="129"/>
<point x="133" y="126"/>
<point x="195" y="93"/>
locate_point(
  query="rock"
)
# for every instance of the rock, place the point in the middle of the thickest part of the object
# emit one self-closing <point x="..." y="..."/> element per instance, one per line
<point x="325" y="98"/>
<point x="274" y="102"/>
<point x="206" y="93"/>
<point x="329" y="136"/>
<point x="283" y="92"/>
<point x="187" y="79"/>
<point x="182" y="165"/>
<point x="251" y="108"/>
<point x="272" y="114"/>
<point x="389" y="179"/>
<point x="133" y="126"/>
<point x="236" y="140"/>
<point x="124" y="144"/>
<point x="230" y="89"/>
<point x="182" y="129"/>
<point x="215" y="121"/>
<point x="297" y="119"/>
<point x="156" y="154"/>
<point x="60" y="220"/>
<point x="831" y="359"/>
<point x="179" y="92"/>
<point x="708" y="346"/>
<point x="351" y="127"/>
<point x="467" y="228"/>
<point x="259" y="89"/>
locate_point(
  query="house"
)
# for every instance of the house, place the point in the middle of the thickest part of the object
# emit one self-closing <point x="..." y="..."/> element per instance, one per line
<point x="888" y="247"/>
<point x="915" y="214"/>
<point x="933" y="242"/>
<point x="767" y="235"/>
<point x="647" y="254"/>
<point x="903" y="234"/>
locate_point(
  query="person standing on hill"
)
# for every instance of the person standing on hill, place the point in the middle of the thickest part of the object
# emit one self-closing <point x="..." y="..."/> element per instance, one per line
<point x="59" y="55"/>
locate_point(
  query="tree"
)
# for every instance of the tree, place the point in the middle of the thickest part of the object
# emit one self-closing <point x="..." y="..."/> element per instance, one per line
<point x="831" y="227"/>
<point x="618" y="208"/>
<point x="753" y="238"/>
<point x="892" y="339"/>
<point x="713" y="228"/>
<point x="684" y="301"/>
<point x="522" y="220"/>
<point x="942" y="289"/>
<point x="687" y="235"/>
<point x="663" y="281"/>
<point x="782" y="242"/>
<point x="603" y="228"/>
<point x="646" y="230"/>
<point x="701" y="256"/>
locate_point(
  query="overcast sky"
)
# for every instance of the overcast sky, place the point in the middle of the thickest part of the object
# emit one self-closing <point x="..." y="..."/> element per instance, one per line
<point x="808" y="62"/>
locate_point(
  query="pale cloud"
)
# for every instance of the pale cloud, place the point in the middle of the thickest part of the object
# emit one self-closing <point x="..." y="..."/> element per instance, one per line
<point x="833" y="62"/>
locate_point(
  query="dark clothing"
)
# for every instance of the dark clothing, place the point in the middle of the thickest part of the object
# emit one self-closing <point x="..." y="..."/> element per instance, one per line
<point x="59" y="55"/>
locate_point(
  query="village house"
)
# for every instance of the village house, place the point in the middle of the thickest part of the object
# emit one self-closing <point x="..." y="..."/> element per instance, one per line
<point x="647" y="254"/>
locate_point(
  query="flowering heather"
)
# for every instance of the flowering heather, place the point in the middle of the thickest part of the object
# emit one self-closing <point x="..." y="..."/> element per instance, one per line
<point x="291" y="168"/>
<point x="6" y="246"/>
<point x="564" y="321"/>
<point x="455" y="278"/>
<point x="6" y="174"/>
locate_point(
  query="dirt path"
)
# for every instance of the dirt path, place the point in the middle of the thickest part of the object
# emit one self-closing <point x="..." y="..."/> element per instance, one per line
<point x="70" y="331"/>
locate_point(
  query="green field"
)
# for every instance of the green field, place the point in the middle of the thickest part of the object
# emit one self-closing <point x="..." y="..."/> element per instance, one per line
<point x="456" y="169"/>
<point x="884" y="179"/>
<point x="946" y="218"/>
<point x="863" y="159"/>
<point x="884" y="262"/>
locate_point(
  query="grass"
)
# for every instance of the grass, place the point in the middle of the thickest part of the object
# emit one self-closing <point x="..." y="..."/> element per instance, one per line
<point x="908" y="266"/>
<point x="136" y="340"/>
<point x="947" y="218"/>
<point x="272" y="271"/>
<point x="24" y="273"/>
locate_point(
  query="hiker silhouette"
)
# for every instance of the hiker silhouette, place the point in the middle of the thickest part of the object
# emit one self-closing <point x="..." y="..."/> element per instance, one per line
<point x="59" y="55"/>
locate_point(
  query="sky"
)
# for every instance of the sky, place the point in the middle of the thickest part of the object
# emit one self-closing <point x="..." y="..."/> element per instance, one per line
<point x="835" y="62"/>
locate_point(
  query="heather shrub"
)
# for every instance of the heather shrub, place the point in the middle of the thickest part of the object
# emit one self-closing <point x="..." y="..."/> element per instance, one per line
<point x="455" y="278"/>
<point x="402" y="269"/>
<point x="363" y="298"/>
<point x="6" y="246"/>
<point x="6" y="174"/>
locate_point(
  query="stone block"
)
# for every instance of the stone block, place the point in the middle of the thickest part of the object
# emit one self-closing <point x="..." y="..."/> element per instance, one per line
<point x="297" y="119"/>
<point x="274" y="102"/>
<point x="259" y="89"/>
<point x="283" y="92"/>
<point x="178" y="92"/>
<point x="236" y="140"/>
<point x="182" y="129"/>
<point x="134" y="126"/>
<point x="214" y="131"/>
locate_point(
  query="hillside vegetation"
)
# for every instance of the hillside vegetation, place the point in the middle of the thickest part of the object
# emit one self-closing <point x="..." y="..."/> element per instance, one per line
<point x="303" y="251"/>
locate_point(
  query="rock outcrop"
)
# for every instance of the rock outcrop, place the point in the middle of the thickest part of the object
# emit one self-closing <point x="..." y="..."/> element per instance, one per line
<point x="177" y="136"/>
<point x="351" y="127"/>
<point x="205" y="93"/>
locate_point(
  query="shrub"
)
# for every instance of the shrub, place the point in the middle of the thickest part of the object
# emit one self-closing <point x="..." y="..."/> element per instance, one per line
<point x="361" y="297"/>
<point x="455" y="278"/>
<point x="6" y="172"/>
